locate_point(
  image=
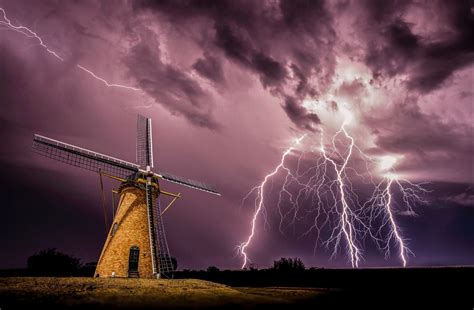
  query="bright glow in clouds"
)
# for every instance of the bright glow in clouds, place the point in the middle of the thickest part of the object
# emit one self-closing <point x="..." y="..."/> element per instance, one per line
<point x="387" y="162"/>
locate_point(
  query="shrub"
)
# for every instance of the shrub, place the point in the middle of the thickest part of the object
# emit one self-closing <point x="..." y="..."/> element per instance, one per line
<point x="288" y="264"/>
<point x="212" y="269"/>
<point x="51" y="262"/>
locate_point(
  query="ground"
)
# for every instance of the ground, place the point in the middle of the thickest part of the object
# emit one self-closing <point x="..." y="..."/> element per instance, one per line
<point x="143" y="293"/>
<point x="387" y="288"/>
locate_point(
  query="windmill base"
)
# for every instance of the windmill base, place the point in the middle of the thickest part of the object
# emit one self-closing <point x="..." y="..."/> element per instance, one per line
<point x="126" y="252"/>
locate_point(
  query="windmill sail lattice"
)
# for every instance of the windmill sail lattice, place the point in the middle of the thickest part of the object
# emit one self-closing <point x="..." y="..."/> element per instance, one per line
<point x="83" y="158"/>
<point x="144" y="142"/>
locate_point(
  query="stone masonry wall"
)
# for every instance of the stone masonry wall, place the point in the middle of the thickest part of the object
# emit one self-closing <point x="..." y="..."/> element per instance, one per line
<point x="132" y="230"/>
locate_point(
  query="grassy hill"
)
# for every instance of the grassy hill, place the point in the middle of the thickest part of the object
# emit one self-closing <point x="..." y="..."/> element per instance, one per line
<point x="142" y="293"/>
<point x="431" y="288"/>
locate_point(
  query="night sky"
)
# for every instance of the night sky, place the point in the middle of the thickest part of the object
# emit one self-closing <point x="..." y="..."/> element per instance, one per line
<point x="230" y="85"/>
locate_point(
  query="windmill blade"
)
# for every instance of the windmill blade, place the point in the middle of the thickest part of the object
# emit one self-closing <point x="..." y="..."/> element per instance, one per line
<point x="187" y="182"/>
<point x="83" y="158"/>
<point x="144" y="142"/>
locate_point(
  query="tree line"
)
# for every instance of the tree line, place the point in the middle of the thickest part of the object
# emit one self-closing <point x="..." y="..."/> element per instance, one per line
<point x="51" y="262"/>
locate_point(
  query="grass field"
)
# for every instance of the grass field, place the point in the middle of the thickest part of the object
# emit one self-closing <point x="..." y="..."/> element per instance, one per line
<point x="143" y="293"/>
<point x="428" y="288"/>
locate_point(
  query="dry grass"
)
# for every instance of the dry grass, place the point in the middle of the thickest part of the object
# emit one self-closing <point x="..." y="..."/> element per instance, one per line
<point x="141" y="293"/>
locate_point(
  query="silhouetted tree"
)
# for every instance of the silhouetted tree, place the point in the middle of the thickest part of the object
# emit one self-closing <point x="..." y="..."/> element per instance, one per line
<point x="88" y="269"/>
<point x="253" y="267"/>
<point x="212" y="269"/>
<point x="50" y="262"/>
<point x="288" y="264"/>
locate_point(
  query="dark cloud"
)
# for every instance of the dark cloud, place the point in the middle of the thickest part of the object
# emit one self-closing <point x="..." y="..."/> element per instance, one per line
<point x="393" y="47"/>
<point x="210" y="67"/>
<point x="423" y="139"/>
<point x="168" y="85"/>
<point x="299" y="115"/>
<point x="381" y="11"/>
<point x="233" y="46"/>
<point x="440" y="59"/>
<point x="267" y="39"/>
<point x="271" y="71"/>
<point x="407" y="129"/>
<point x="304" y="15"/>
<point x="233" y="43"/>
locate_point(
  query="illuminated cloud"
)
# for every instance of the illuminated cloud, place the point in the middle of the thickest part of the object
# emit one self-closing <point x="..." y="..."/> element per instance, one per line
<point x="227" y="84"/>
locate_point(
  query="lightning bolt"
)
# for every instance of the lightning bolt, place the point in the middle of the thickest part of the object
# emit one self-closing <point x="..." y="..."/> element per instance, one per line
<point x="6" y="23"/>
<point x="260" y="202"/>
<point x="381" y="204"/>
<point x="346" y="214"/>
<point x="328" y="187"/>
<point x="395" y="230"/>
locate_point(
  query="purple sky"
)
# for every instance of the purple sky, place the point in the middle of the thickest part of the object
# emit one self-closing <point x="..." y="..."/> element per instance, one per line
<point x="229" y="85"/>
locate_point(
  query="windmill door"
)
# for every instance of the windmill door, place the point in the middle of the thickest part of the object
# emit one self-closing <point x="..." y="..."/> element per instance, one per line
<point x="133" y="259"/>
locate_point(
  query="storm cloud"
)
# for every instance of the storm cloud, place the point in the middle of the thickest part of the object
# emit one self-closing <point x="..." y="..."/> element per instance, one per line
<point x="397" y="45"/>
<point x="229" y="85"/>
<point x="283" y="43"/>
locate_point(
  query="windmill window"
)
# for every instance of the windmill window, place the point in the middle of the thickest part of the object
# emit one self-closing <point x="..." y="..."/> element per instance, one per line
<point x="114" y="229"/>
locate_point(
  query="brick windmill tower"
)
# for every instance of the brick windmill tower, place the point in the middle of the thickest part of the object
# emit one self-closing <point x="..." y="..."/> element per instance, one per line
<point x="136" y="244"/>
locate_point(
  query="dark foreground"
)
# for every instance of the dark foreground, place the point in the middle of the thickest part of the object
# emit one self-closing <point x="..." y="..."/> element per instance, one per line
<point x="436" y="288"/>
<point x="93" y="293"/>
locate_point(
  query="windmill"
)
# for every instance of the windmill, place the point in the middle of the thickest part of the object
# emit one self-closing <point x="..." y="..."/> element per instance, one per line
<point x="136" y="244"/>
